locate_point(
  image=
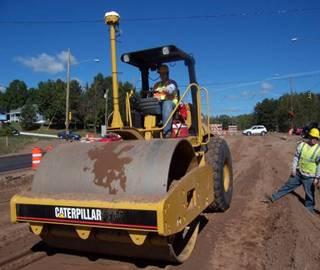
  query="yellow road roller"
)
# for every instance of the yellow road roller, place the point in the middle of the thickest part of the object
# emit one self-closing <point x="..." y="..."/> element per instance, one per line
<point x="141" y="195"/>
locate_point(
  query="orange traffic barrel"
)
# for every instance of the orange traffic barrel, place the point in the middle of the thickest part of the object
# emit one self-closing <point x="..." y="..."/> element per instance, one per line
<point x="36" y="157"/>
<point x="89" y="137"/>
<point x="49" y="148"/>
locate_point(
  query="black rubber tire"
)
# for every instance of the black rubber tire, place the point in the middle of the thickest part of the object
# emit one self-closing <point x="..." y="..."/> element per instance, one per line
<point x="249" y="133"/>
<point x="217" y="156"/>
<point x="263" y="133"/>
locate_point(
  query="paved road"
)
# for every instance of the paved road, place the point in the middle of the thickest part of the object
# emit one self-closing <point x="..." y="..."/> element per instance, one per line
<point x="15" y="162"/>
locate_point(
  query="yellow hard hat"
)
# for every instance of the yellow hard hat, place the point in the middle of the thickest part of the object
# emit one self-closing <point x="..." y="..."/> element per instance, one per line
<point x="314" y="132"/>
<point x="163" y="69"/>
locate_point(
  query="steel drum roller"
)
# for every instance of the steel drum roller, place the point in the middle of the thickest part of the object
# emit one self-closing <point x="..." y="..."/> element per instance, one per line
<point x="142" y="169"/>
<point x="132" y="168"/>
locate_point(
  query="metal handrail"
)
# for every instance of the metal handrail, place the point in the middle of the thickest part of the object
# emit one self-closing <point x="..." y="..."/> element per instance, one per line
<point x="128" y="108"/>
<point x="174" y="110"/>
<point x="205" y="90"/>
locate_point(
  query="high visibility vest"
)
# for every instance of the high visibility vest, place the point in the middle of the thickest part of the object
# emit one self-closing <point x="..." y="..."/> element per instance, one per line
<point x="161" y="94"/>
<point x="308" y="156"/>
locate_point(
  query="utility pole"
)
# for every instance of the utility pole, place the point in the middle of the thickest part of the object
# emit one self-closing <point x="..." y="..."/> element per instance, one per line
<point x="95" y="107"/>
<point x="291" y="103"/>
<point x="68" y="91"/>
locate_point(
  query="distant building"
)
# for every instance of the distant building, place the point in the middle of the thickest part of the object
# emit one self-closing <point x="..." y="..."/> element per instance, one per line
<point x="3" y="116"/>
<point x="40" y="119"/>
<point x="14" y="115"/>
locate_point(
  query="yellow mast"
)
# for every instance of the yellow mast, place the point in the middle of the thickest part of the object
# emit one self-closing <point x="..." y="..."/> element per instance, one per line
<point x="112" y="19"/>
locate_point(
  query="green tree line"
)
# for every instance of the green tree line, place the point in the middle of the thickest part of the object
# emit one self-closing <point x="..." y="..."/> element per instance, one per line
<point x="87" y="104"/>
<point x="297" y="110"/>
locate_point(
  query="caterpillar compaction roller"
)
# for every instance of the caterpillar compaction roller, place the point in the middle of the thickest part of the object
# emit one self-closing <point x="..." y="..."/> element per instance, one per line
<point x="139" y="196"/>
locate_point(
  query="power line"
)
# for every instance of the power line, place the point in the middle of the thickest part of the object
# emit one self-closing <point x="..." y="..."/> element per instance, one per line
<point x="172" y="18"/>
<point x="242" y="14"/>
<point x="52" y="22"/>
<point x="239" y="84"/>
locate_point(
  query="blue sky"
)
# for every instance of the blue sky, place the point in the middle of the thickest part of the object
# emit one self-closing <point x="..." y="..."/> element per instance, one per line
<point x="243" y="49"/>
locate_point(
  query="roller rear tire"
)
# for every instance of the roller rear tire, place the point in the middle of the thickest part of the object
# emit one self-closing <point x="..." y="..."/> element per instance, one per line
<point x="219" y="157"/>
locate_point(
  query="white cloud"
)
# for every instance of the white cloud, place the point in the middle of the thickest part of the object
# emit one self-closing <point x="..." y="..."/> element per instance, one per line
<point x="2" y="88"/>
<point x="47" y="63"/>
<point x="232" y="109"/>
<point x="266" y="87"/>
<point x="248" y="94"/>
<point x="245" y="93"/>
<point x="231" y="97"/>
<point x="63" y="57"/>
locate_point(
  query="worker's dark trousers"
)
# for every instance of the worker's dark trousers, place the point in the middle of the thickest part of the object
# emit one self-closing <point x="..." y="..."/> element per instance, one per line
<point x="294" y="182"/>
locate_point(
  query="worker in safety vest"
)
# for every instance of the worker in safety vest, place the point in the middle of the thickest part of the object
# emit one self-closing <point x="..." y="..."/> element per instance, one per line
<point x="305" y="170"/>
<point x="166" y="91"/>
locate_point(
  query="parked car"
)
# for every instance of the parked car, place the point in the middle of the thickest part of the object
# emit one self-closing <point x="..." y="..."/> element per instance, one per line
<point x="255" y="130"/>
<point x="69" y="136"/>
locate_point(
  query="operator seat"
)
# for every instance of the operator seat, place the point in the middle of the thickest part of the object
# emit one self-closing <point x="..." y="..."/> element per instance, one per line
<point x="150" y="106"/>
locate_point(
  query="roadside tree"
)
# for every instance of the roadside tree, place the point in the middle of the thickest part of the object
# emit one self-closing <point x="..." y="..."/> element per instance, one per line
<point x="28" y="116"/>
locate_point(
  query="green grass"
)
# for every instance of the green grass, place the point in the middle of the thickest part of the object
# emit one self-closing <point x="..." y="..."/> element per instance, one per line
<point x="16" y="126"/>
<point x="45" y="130"/>
<point x="40" y="129"/>
<point x="16" y="143"/>
<point x="52" y="131"/>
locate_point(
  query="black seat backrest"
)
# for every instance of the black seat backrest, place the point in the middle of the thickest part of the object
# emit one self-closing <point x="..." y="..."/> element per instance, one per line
<point x="150" y="106"/>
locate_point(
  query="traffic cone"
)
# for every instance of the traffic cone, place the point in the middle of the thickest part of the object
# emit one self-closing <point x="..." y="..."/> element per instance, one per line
<point x="49" y="148"/>
<point x="36" y="157"/>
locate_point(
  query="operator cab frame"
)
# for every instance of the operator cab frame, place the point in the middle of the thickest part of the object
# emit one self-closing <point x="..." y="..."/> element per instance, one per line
<point x="150" y="59"/>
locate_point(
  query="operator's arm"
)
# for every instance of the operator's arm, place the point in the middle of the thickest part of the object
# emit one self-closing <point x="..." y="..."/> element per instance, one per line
<point x="317" y="178"/>
<point x="172" y="88"/>
<point x="156" y="85"/>
<point x="296" y="159"/>
<point x="318" y="167"/>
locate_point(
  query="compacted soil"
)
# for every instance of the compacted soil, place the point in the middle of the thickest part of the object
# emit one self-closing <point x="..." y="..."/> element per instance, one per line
<point x="250" y="235"/>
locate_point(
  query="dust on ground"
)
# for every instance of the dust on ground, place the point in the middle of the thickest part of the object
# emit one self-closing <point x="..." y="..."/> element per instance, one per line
<point x="250" y="235"/>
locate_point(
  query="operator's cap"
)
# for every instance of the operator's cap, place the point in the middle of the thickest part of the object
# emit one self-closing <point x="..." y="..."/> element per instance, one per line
<point x="163" y="69"/>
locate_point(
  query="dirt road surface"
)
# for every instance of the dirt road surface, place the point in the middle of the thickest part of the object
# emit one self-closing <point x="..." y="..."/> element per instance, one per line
<point x="250" y="235"/>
